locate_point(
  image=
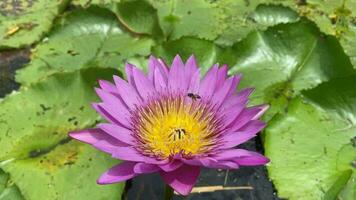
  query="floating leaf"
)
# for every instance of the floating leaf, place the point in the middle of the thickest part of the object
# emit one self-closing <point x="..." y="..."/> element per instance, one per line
<point x="36" y="151"/>
<point x="206" y="52"/>
<point x="24" y="22"/>
<point x="332" y="17"/>
<point x="84" y="38"/>
<point x="67" y="172"/>
<point x="306" y="144"/>
<point x="242" y="17"/>
<point x="198" y="18"/>
<point x="139" y="17"/>
<point x="37" y="118"/>
<point x="288" y="58"/>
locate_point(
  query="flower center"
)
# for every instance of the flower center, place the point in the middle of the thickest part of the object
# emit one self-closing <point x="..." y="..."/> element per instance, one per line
<point x="175" y="125"/>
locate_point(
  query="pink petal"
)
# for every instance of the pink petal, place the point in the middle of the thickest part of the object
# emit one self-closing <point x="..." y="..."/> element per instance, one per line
<point x="107" y="97"/>
<point x="131" y="154"/>
<point x="118" y="112"/>
<point x="208" y="84"/>
<point x="159" y="82"/>
<point x="221" y="77"/>
<point x="127" y="93"/>
<point x="162" y="66"/>
<point x="143" y="168"/>
<point x="263" y="108"/>
<point x="191" y="66"/>
<point x="98" y="139"/>
<point x="176" y="75"/>
<point x="120" y="133"/>
<point x="194" y="83"/>
<point x="234" y="112"/>
<point x="242" y="157"/>
<point x="118" y="173"/>
<point x="128" y="153"/>
<point x="91" y="136"/>
<point x="252" y="160"/>
<point x="183" y="179"/>
<point x="171" y="166"/>
<point x="108" y="87"/>
<point x="97" y="107"/>
<point x="235" y="99"/>
<point x="144" y="86"/>
<point x="224" y="165"/>
<point x="151" y="68"/>
<point x="247" y="115"/>
<point x="222" y="93"/>
<point x="129" y="74"/>
<point x="244" y="134"/>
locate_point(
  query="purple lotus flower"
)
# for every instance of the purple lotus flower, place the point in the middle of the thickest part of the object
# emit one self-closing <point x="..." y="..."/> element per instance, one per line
<point x="173" y="122"/>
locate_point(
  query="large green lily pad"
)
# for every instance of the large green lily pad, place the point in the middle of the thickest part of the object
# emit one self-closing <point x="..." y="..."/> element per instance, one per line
<point x="84" y="38"/>
<point x="67" y="172"/>
<point x="241" y="17"/>
<point x="24" y="22"/>
<point x="311" y="146"/>
<point x="288" y="58"/>
<point x="332" y="17"/>
<point x="36" y="118"/>
<point x="37" y="155"/>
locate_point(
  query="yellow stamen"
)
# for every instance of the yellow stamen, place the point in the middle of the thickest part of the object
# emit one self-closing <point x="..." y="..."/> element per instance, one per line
<point x="174" y="125"/>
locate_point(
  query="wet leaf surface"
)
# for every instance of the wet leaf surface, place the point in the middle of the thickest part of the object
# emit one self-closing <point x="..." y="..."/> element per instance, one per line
<point x="83" y="39"/>
<point x="24" y="22"/>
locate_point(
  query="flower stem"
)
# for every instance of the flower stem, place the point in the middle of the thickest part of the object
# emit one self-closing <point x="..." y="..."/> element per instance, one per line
<point x="168" y="192"/>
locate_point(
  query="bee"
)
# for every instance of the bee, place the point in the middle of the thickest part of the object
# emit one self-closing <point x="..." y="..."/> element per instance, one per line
<point x="194" y="96"/>
<point x="178" y="134"/>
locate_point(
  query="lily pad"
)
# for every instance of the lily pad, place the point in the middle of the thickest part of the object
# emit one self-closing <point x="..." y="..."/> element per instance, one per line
<point x="40" y="159"/>
<point x="24" y="22"/>
<point x="307" y="143"/>
<point x="84" y="38"/>
<point x="242" y="17"/>
<point x="35" y="119"/>
<point x="332" y="17"/>
<point x="139" y="17"/>
<point x="206" y="52"/>
<point x="288" y="58"/>
<point x="67" y="172"/>
<point x="198" y="18"/>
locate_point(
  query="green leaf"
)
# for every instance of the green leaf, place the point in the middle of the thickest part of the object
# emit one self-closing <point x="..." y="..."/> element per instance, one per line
<point x="67" y="172"/>
<point x="339" y="184"/>
<point x="37" y="118"/>
<point x="139" y="17"/>
<point x="270" y="15"/>
<point x="332" y="17"/>
<point x="11" y="193"/>
<point x="349" y="191"/>
<point x="198" y="18"/>
<point x="206" y="52"/>
<point x="110" y="4"/>
<point x="242" y="17"/>
<point x="285" y="59"/>
<point x="84" y="38"/>
<point x="24" y="22"/>
<point x="307" y="144"/>
<point x="3" y="180"/>
<point x="36" y="152"/>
